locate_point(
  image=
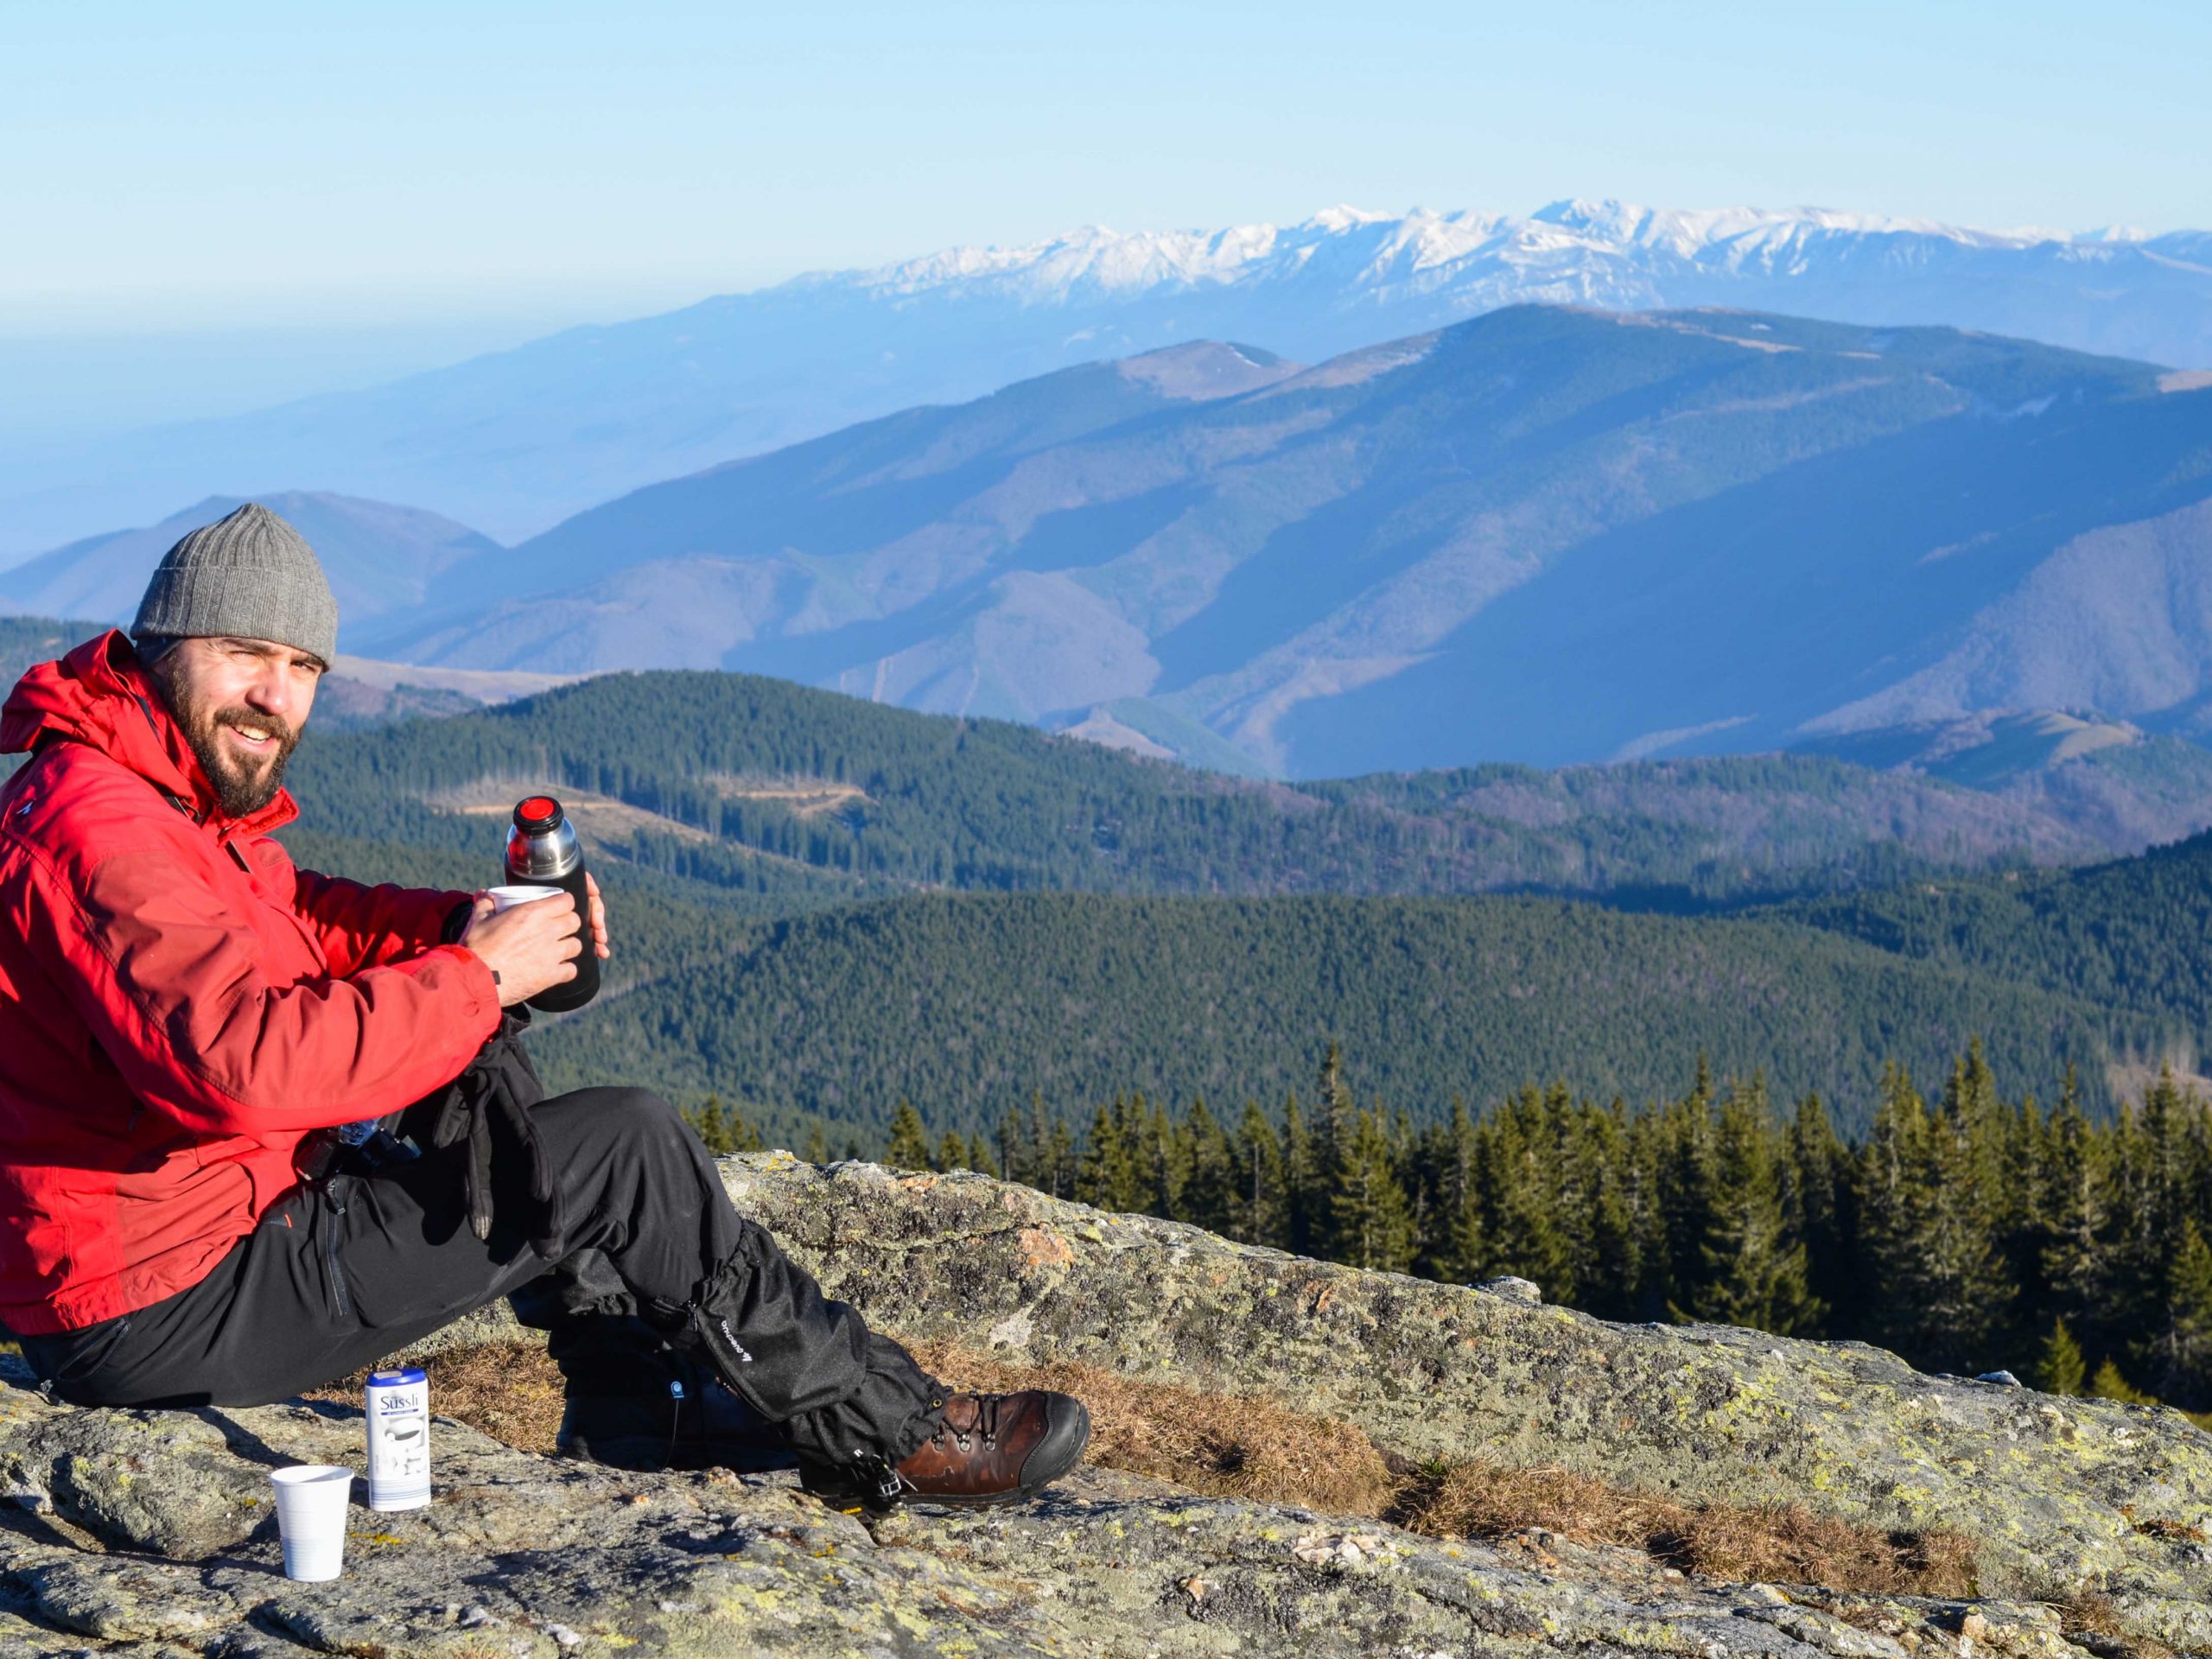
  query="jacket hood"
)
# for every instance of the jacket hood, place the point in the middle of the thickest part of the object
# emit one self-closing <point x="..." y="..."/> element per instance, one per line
<point x="97" y="696"/>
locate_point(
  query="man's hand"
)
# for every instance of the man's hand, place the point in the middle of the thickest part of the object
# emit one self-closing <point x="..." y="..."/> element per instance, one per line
<point x="598" y="917"/>
<point x="530" y="948"/>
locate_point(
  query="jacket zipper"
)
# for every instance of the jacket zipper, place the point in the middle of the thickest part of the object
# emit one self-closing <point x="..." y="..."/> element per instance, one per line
<point x="335" y="1194"/>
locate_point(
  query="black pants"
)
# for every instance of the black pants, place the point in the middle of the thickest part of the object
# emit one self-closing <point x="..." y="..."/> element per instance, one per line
<point x="343" y="1272"/>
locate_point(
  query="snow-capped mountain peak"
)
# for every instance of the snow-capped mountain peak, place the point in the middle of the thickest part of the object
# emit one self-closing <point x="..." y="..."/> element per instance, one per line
<point x="512" y="440"/>
<point x="1605" y="251"/>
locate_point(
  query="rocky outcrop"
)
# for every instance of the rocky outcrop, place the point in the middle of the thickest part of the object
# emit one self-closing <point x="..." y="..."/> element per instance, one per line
<point x="149" y="1532"/>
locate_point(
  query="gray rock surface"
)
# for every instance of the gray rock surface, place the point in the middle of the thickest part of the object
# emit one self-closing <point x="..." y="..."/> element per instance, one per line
<point x="150" y="1533"/>
<point x="2058" y="1492"/>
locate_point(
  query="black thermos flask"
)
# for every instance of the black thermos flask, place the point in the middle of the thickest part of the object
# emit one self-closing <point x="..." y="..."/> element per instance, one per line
<point x="542" y="851"/>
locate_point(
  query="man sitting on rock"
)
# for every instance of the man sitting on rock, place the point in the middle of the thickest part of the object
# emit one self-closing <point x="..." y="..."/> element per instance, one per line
<point x="185" y="1019"/>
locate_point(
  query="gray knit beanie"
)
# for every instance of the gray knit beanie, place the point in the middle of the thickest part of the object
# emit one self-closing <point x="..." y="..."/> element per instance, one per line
<point x="250" y="576"/>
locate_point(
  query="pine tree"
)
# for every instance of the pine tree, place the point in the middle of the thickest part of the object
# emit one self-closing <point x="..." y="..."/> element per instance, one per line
<point x="1335" y="1125"/>
<point x="2185" y="1344"/>
<point x="722" y="1130"/>
<point x="1369" y="1222"/>
<point x="1161" y="1150"/>
<point x="1575" y="1184"/>
<point x="980" y="1158"/>
<point x="1817" y="1210"/>
<point x="1965" y="1232"/>
<point x="1058" y="1177"/>
<point x="2062" y="1370"/>
<point x="2073" y="1199"/>
<point x="1520" y="1196"/>
<point x="910" y="1141"/>
<point x="1927" y="1209"/>
<point x="1303" y="1224"/>
<point x="1450" y="1252"/>
<point x="1258" y="1215"/>
<point x="1645" y="1159"/>
<point x="1755" y="1273"/>
<point x="711" y="1124"/>
<point x="1681" y="1179"/>
<point x="1210" y="1190"/>
<point x="1025" y="1143"/>
<point x="2109" y="1384"/>
<point x="2022" y="1226"/>
<point x="1894" y="1206"/>
<point x="1468" y="1260"/>
<point x="1966" y="1299"/>
<point x="1608" y="1267"/>
<point x="1107" y="1174"/>
<point x="2147" y="1206"/>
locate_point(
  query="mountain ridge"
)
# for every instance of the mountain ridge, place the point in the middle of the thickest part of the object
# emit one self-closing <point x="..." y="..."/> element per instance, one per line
<point x="514" y="440"/>
<point x="378" y="556"/>
<point x="1385" y="561"/>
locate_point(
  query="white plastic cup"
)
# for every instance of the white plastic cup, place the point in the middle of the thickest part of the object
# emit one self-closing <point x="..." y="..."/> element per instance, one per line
<point x="508" y="897"/>
<point x="311" y="1501"/>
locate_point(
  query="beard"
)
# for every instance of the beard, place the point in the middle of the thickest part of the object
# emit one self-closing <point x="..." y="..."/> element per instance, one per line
<point x="243" y="784"/>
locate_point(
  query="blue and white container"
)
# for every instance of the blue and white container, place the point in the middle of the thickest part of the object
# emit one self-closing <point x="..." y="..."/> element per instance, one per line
<point x="399" y="1440"/>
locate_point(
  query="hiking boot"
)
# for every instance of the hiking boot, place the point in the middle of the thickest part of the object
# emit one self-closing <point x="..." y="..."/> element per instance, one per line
<point x="989" y="1448"/>
<point x="704" y="1425"/>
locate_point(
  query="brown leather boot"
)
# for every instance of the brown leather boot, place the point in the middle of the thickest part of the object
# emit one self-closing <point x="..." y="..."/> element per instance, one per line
<point x="990" y="1448"/>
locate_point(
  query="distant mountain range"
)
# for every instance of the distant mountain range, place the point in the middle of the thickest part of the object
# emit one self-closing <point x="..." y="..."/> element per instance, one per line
<point x="1548" y="536"/>
<point x="379" y="557"/>
<point x="515" y="441"/>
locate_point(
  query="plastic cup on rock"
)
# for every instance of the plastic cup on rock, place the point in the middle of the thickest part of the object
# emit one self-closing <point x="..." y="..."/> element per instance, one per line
<point x="508" y="897"/>
<point x="311" y="1500"/>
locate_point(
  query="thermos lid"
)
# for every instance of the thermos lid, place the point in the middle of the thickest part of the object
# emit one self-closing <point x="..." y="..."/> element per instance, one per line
<point x="535" y="816"/>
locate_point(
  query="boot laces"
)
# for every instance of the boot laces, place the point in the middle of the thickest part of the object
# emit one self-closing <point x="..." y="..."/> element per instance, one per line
<point x="985" y="1428"/>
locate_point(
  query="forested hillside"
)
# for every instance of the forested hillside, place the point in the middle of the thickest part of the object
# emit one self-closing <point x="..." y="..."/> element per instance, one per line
<point x="966" y="1006"/>
<point x="2136" y="933"/>
<point x="759" y="785"/>
<point x="28" y="639"/>
<point x="847" y="799"/>
<point x="778" y="859"/>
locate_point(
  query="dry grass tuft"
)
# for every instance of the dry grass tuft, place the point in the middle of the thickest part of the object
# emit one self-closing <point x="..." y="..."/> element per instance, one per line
<point x="1229" y="1445"/>
<point x="512" y="1394"/>
<point x="1235" y="1446"/>
<point x="2091" y="1621"/>
<point x="1784" y="1542"/>
<point x="1744" y="1544"/>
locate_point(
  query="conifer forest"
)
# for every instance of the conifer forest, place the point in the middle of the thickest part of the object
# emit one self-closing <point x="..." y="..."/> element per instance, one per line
<point x="1970" y="1230"/>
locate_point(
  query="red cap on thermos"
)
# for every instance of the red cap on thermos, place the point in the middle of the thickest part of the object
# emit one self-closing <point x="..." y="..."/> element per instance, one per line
<point x="543" y="850"/>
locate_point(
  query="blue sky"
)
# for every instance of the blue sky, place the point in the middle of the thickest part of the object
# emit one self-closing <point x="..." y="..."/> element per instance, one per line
<point x="463" y="172"/>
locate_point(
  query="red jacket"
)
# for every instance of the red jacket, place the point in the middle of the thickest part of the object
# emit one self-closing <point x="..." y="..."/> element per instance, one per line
<point x="178" y="1005"/>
